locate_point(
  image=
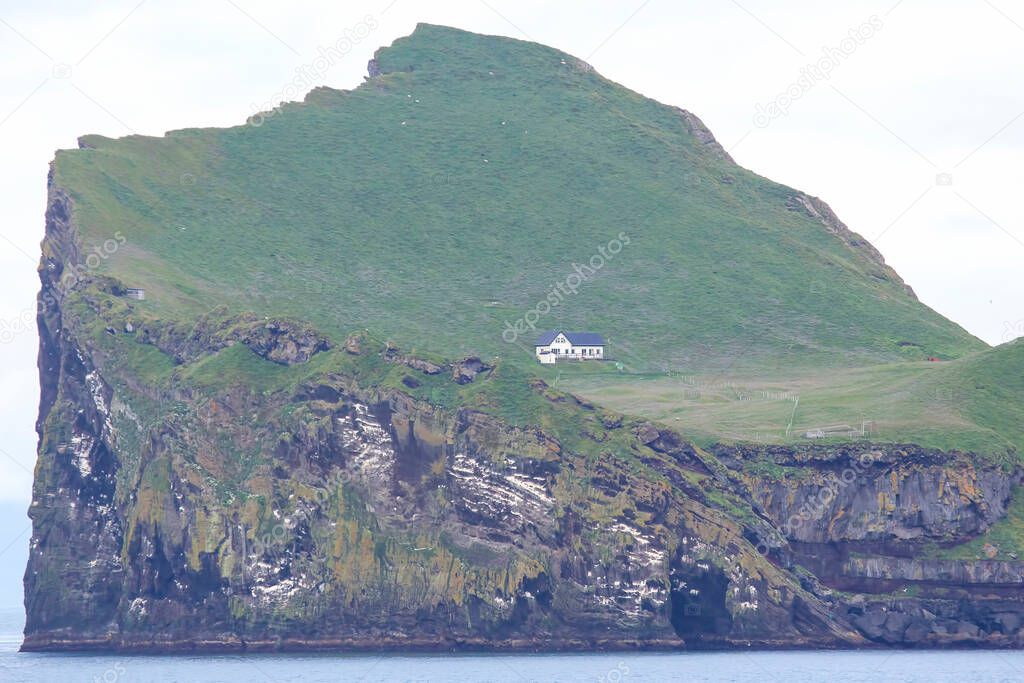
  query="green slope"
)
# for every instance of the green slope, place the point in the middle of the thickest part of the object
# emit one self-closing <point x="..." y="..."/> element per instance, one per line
<point x="450" y="194"/>
<point x="975" y="403"/>
<point x="989" y="390"/>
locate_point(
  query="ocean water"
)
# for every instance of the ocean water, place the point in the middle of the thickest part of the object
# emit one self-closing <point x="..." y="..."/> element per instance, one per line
<point x="738" y="667"/>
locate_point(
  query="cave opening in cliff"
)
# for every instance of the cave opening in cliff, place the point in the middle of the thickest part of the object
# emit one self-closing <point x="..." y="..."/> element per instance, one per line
<point x="697" y="602"/>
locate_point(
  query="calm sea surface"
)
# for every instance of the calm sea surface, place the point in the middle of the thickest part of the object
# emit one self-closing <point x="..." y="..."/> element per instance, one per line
<point x="741" y="667"/>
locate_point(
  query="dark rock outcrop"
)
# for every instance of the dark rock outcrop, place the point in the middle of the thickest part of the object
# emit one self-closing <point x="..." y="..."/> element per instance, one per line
<point x="282" y="341"/>
<point x="286" y="342"/>
<point x="393" y="355"/>
<point x="354" y="344"/>
<point x="703" y="134"/>
<point x="467" y="369"/>
<point x="885" y="494"/>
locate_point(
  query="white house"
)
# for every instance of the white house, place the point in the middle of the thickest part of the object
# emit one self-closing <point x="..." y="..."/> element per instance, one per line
<point x="556" y="345"/>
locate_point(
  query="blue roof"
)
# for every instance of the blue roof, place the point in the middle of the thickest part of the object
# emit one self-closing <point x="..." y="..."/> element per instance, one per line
<point x="575" y="338"/>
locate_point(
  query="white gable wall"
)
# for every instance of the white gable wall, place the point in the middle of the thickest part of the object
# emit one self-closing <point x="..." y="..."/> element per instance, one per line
<point x="560" y="347"/>
<point x="561" y="344"/>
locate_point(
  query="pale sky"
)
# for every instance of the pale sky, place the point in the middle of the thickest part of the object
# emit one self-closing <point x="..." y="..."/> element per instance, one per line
<point x="915" y="137"/>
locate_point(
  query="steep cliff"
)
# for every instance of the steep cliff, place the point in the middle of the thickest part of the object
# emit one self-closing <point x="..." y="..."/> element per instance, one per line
<point x="884" y="526"/>
<point x="248" y="484"/>
<point x="199" y="494"/>
<point x="266" y="450"/>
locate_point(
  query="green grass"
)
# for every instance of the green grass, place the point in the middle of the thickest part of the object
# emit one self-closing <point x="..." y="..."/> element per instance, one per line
<point x="239" y="365"/>
<point x="447" y="197"/>
<point x="974" y="404"/>
<point x="988" y="389"/>
<point x="514" y="162"/>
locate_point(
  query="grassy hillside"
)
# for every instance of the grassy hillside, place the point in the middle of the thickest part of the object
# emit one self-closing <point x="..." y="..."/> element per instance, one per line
<point x="975" y="403"/>
<point x="449" y="195"/>
<point x="989" y="390"/>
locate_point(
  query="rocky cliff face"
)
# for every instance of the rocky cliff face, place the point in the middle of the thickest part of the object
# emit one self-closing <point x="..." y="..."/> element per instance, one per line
<point x="872" y="522"/>
<point x="243" y="483"/>
<point x="891" y="496"/>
